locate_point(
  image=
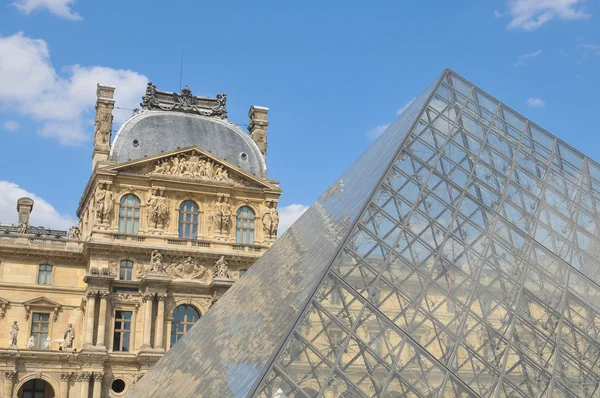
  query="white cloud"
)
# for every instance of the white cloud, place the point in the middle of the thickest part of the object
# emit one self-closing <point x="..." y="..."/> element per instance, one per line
<point x="288" y="215"/>
<point x="535" y="102"/>
<point x="498" y="14"/>
<point x="588" y="48"/>
<point x="377" y="131"/>
<point x="63" y="105"/>
<point x="11" y="125"/>
<point x="523" y="58"/>
<point x="60" y="8"/>
<point x="399" y="111"/>
<point x="43" y="214"/>
<point x="531" y="14"/>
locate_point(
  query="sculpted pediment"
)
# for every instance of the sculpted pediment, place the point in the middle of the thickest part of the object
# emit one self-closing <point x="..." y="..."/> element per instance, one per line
<point x="191" y="164"/>
<point x="42" y="303"/>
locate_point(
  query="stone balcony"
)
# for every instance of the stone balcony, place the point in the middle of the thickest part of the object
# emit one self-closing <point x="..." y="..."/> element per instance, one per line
<point x="34" y="242"/>
<point x="224" y="247"/>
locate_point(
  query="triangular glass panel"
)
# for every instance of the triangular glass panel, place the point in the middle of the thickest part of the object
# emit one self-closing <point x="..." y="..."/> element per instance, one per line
<point x="457" y="257"/>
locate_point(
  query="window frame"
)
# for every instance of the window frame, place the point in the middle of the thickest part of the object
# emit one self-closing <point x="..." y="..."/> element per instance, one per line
<point x="46" y="272"/>
<point x="245" y="225"/>
<point x="128" y="270"/>
<point x="185" y="227"/>
<point x="39" y="342"/>
<point x="129" y="214"/>
<point x="186" y="324"/>
<point x="122" y="331"/>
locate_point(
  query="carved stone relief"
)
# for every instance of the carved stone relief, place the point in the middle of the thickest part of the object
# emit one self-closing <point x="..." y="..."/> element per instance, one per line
<point x="102" y="127"/>
<point x="154" y="99"/>
<point x="188" y="268"/>
<point x="192" y="166"/>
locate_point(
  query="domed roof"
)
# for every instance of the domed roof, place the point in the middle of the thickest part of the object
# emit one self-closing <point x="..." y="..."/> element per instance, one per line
<point x="151" y="132"/>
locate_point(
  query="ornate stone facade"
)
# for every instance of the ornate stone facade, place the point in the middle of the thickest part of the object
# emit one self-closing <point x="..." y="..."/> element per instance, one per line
<point x="158" y="236"/>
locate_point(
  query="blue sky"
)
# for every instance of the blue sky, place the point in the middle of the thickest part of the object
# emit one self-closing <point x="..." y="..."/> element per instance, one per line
<point x="333" y="74"/>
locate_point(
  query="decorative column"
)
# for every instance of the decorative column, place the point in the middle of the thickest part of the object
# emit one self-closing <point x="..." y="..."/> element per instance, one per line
<point x="147" y="299"/>
<point x="102" y="320"/>
<point x="85" y="384"/>
<point x="90" y="314"/>
<point x="64" y="385"/>
<point x="9" y="382"/>
<point x="97" y="393"/>
<point x="169" y="326"/>
<point x="160" y="322"/>
<point x="103" y="122"/>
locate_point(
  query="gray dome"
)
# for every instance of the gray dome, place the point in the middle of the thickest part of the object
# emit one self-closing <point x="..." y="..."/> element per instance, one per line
<point x="151" y="132"/>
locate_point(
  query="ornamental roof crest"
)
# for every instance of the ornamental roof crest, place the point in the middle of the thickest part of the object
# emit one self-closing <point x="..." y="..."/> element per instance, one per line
<point x="185" y="102"/>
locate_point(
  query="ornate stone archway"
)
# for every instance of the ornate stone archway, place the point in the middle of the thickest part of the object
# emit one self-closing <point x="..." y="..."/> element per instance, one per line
<point x="51" y="387"/>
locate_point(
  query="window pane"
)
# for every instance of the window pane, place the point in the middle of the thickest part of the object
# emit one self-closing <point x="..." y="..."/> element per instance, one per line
<point x="125" y="341"/>
<point x="117" y="341"/>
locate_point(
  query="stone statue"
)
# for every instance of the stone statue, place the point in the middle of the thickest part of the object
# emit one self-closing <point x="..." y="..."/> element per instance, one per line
<point x="103" y="202"/>
<point x="156" y="264"/>
<point x="270" y="220"/>
<point x="48" y="343"/>
<point x="222" y="215"/>
<point x="69" y="336"/>
<point x="14" y="333"/>
<point x="23" y="227"/>
<point x="220" y="110"/>
<point x="158" y="209"/>
<point x="221" y="269"/>
<point x="74" y="233"/>
<point x="30" y="343"/>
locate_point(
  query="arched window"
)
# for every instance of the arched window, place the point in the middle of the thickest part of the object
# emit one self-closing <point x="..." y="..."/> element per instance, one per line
<point x="129" y="214"/>
<point x="45" y="274"/>
<point x="126" y="270"/>
<point x="244" y="226"/>
<point x="188" y="220"/>
<point x="184" y="318"/>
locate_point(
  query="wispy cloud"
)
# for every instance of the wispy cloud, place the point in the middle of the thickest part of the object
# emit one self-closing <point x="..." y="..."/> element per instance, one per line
<point x="405" y="106"/>
<point x="59" y="8"/>
<point x="43" y="214"/>
<point x="531" y="14"/>
<point x="377" y="131"/>
<point x="11" y="126"/>
<point x="288" y="215"/>
<point x="588" y="49"/>
<point x="535" y="102"/>
<point x="523" y="58"/>
<point x="62" y="105"/>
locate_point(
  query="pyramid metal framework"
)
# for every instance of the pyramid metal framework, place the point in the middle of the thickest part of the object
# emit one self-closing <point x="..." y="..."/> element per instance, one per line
<point x="459" y="256"/>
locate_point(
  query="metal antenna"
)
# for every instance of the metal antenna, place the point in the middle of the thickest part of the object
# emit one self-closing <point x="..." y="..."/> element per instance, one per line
<point x="181" y="71"/>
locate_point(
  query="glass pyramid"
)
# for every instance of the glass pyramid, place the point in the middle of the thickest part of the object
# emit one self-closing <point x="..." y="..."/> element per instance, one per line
<point x="459" y="256"/>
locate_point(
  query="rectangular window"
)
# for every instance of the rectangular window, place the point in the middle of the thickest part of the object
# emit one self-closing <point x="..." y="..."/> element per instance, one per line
<point x="40" y="324"/>
<point x="45" y="274"/>
<point x="122" y="332"/>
